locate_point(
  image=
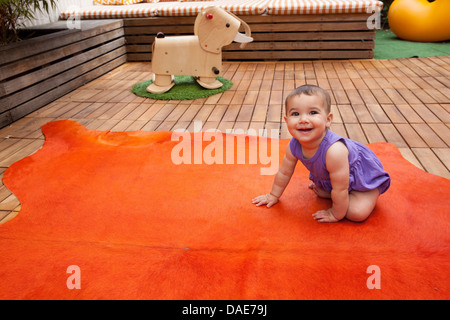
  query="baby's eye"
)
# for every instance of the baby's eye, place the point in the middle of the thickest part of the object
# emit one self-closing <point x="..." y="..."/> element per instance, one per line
<point x="295" y="114"/>
<point x="314" y="112"/>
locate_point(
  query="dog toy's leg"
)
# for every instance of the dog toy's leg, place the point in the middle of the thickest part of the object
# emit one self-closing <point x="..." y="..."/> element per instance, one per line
<point x="209" y="82"/>
<point x="161" y="83"/>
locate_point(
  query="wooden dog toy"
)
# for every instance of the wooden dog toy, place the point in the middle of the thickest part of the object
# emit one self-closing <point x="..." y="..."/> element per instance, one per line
<point x="199" y="55"/>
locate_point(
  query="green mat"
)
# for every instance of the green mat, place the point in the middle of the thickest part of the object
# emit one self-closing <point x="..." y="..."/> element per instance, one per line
<point x="389" y="46"/>
<point x="186" y="88"/>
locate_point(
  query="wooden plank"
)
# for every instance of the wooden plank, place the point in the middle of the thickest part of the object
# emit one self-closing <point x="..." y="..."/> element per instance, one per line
<point x="26" y="148"/>
<point x="395" y="116"/>
<point x="225" y="126"/>
<point x="154" y="30"/>
<point x="276" y="55"/>
<point x="444" y="156"/>
<point x="339" y="128"/>
<point x="442" y="114"/>
<point x="21" y="97"/>
<point x="259" y="113"/>
<point x="298" y="35"/>
<point x="362" y="113"/>
<point x="354" y="97"/>
<point x="231" y="112"/>
<point x="410" y="156"/>
<point x="394" y="96"/>
<point x="297" y="55"/>
<point x="355" y="132"/>
<point x="347" y="114"/>
<point x="340" y="97"/>
<point x="410" y="135"/>
<point x="7" y="215"/>
<point x="425" y="113"/>
<point x="137" y="110"/>
<point x="409" y="114"/>
<point x="16" y="84"/>
<point x="190" y="113"/>
<point x="38" y="60"/>
<point x="428" y="135"/>
<point x="309" y="26"/>
<point x="9" y="204"/>
<point x="267" y="46"/>
<point x="391" y="135"/>
<point x="377" y="113"/>
<point x="431" y="162"/>
<point x="246" y="112"/>
<point x="21" y="50"/>
<point x="442" y="131"/>
<point x="372" y="132"/>
<point x="59" y="91"/>
<point x="56" y="40"/>
<point x="333" y="17"/>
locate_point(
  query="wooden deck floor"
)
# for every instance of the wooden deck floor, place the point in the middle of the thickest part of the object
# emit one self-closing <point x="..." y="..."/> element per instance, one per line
<point x="404" y="101"/>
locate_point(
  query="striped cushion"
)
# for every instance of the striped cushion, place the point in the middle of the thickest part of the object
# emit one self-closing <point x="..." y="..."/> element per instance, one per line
<point x="190" y="8"/>
<point x="279" y="7"/>
<point x="239" y="7"/>
<point x="117" y="2"/>
<point x="163" y="9"/>
<point x="124" y="2"/>
<point x="140" y="10"/>
<point x="185" y="0"/>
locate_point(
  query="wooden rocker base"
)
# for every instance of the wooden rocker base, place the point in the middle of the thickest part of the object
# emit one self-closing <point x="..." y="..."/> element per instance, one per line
<point x="209" y="85"/>
<point x="161" y="84"/>
<point x="154" y="88"/>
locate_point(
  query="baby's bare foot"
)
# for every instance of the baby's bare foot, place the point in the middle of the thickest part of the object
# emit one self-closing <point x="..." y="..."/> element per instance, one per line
<point x="319" y="191"/>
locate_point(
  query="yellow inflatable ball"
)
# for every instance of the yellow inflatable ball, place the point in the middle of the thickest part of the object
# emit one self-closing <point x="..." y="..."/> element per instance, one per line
<point x="420" y="20"/>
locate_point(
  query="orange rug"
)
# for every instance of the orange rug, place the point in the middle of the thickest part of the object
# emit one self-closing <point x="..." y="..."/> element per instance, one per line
<point x="110" y="216"/>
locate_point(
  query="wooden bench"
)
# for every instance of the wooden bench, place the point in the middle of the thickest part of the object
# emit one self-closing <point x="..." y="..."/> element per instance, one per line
<point x="39" y="70"/>
<point x="282" y="29"/>
<point x="276" y="37"/>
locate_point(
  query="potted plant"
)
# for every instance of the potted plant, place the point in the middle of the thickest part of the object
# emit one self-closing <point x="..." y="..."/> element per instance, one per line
<point x="14" y="13"/>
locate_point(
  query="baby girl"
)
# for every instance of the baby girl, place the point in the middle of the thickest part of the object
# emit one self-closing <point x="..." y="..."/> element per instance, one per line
<point x="341" y="169"/>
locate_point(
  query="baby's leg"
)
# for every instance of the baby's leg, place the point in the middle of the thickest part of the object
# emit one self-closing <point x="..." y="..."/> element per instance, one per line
<point x="319" y="191"/>
<point x="361" y="204"/>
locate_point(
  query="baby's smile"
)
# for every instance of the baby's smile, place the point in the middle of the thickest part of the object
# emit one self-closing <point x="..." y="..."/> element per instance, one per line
<point x="304" y="130"/>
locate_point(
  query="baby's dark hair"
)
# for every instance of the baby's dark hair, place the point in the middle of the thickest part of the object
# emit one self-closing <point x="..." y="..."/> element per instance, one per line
<point x="310" y="90"/>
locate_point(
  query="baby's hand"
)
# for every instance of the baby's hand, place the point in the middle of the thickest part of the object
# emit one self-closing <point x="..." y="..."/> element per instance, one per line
<point x="268" y="199"/>
<point x="325" y="216"/>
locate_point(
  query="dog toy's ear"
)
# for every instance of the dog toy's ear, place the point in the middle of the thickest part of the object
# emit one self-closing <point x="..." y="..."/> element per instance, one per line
<point x="241" y="38"/>
<point x="215" y="28"/>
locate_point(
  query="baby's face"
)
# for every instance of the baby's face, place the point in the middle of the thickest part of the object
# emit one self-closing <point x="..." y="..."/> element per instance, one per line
<point x="307" y="118"/>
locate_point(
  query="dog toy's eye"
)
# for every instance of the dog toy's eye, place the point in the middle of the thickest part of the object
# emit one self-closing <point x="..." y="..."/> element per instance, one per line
<point x="227" y="25"/>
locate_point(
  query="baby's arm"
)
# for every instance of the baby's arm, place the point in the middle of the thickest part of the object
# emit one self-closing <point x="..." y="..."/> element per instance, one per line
<point x="338" y="168"/>
<point x="280" y="182"/>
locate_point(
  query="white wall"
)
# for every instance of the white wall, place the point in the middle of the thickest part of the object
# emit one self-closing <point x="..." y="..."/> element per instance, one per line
<point x="61" y="5"/>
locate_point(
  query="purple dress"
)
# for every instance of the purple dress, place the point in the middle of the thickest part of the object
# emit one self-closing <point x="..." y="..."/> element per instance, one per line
<point x="366" y="170"/>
